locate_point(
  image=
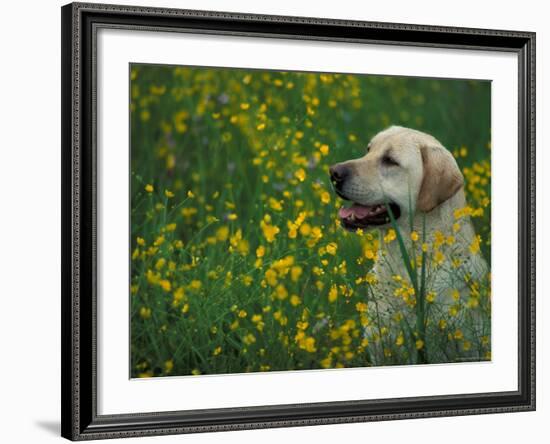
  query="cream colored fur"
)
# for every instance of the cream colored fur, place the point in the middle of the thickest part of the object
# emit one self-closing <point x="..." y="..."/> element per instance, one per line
<point x="426" y="184"/>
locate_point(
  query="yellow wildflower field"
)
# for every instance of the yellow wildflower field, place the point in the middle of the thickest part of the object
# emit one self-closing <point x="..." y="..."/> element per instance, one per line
<point x="239" y="263"/>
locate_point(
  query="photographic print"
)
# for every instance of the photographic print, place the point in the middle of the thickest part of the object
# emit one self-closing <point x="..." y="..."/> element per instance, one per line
<point x="274" y="221"/>
<point x="301" y="220"/>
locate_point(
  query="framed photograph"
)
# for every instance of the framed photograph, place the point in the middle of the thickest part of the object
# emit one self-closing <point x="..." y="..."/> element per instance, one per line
<point x="281" y="221"/>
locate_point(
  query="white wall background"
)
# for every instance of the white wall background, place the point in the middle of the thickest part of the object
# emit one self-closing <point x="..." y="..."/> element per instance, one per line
<point x="30" y="220"/>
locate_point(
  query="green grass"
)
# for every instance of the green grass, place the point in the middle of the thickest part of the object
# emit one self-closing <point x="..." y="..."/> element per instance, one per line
<point x="238" y="263"/>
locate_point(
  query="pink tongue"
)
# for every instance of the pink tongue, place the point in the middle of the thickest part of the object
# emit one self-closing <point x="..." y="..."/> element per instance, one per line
<point x="359" y="211"/>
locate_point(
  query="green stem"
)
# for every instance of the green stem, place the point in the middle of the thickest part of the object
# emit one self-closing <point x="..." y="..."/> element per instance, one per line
<point x="420" y="303"/>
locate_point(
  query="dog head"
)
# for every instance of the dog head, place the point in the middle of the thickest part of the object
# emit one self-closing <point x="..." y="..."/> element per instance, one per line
<point x="403" y="171"/>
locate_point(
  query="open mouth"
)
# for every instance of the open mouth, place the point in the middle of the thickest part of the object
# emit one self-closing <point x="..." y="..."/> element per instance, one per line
<point x="364" y="216"/>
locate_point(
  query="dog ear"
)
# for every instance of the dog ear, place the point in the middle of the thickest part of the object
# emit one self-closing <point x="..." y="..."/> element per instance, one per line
<point x="442" y="177"/>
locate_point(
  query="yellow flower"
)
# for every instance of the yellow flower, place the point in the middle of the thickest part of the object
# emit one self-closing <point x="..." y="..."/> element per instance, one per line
<point x="160" y="263"/>
<point x="361" y="307"/>
<point x="414" y="236"/>
<point x="271" y="277"/>
<point x="152" y="278"/>
<point x="300" y="175"/>
<point x="178" y="296"/>
<point x="305" y="229"/>
<point x="168" y="193"/>
<point x="310" y="345"/>
<point x="369" y="254"/>
<point x="170" y="162"/>
<point x="240" y="244"/>
<point x="281" y="292"/>
<point x="331" y="248"/>
<point x="399" y="340"/>
<point x="165" y="285"/>
<point x="140" y="241"/>
<point x="168" y="366"/>
<point x="325" y="197"/>
<point x="419" y="344"/>
<point x="292" y="231"/>
<point x="439" y="258"/>
<point x="370" y="278"/>
<point x="275" y="204"/>
<point x="149" y="188"/>
<point x="217" y="351"/>
<point x="390" y="236"/>
<point x="295" y="300"/>
<point x="278" y="316"/>
<point x="269" y="231"/>
<point x="179" y="121"/>
<point x="333" y="293"/>
<point x="324" y="149"/>
<point x="295" y="273"/>
<point x="145" y="312"/>
<point x="249" y="339"/>
<point x="439" y="238"/>
<point x="242" y="314"/>
<point x="474" y="246"/>
<point x="222" y="233"/>
<point x="188" y="212"/>
<point x="195" y="284"/>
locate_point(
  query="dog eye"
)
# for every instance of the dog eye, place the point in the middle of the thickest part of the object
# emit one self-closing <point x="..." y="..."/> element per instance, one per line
<point x="389" y="161"/>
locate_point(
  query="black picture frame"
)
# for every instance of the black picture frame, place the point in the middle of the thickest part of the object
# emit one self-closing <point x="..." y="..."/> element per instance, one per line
<point x="80" y="22"/>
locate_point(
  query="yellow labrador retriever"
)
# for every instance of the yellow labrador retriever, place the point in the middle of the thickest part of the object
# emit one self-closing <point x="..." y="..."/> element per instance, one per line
<point x="415" y="176"/>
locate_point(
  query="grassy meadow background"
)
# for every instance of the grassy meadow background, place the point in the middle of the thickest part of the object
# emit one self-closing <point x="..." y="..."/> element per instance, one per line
<point x="238" y="260"/>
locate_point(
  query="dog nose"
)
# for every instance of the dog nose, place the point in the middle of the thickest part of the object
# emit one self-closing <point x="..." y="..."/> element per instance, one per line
<point x="338" y="173"/>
